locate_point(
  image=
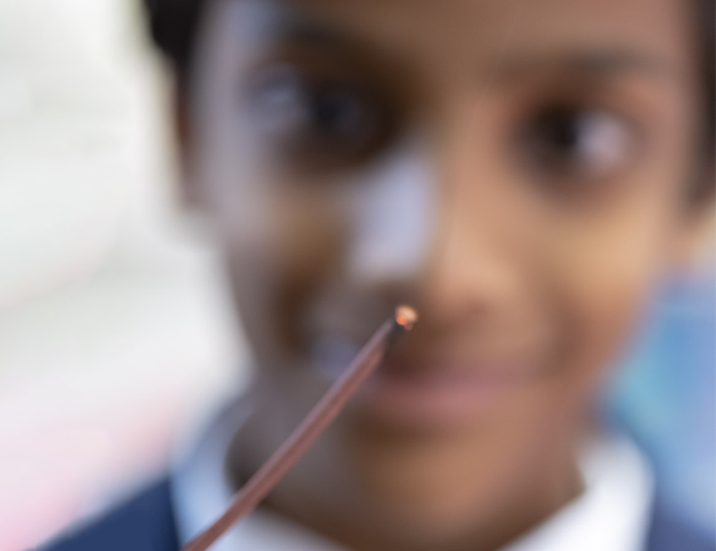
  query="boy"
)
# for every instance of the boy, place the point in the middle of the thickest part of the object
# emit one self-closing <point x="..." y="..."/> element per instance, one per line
<point x="525" y="173"/>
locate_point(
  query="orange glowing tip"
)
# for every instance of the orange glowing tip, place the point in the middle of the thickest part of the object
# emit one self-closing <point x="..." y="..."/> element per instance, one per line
<point x="406" y="316"/>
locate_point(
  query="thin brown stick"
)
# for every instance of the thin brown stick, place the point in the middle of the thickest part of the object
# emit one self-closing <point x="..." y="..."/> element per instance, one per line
<point x="328" y="407"/>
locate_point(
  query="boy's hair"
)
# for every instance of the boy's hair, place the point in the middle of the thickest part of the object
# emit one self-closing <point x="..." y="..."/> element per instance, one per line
<point x="173" y="25"/>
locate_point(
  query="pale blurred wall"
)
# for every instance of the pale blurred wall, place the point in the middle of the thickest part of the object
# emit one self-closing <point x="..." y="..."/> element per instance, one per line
<point x="114" y="322"/>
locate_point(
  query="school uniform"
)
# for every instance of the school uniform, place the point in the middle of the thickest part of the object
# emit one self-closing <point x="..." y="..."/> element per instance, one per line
<point x="619" y="509"/>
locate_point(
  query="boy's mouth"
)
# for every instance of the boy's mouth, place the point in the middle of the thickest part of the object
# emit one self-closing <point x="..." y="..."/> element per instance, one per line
<point x="420" y="390"/>
<point x="440" y="393"/>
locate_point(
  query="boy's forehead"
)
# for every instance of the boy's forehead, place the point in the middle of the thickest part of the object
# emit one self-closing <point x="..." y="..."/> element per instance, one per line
<point x="641" y="34"/>
<point x="475" y="21"/>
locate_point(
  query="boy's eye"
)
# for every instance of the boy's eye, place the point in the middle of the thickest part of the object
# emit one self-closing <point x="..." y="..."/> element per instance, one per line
<point x="572" y="144"/>
<point x="315" y="121"/>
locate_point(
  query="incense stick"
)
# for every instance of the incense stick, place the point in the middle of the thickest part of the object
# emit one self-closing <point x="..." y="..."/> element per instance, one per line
<point x="328" y="407"/>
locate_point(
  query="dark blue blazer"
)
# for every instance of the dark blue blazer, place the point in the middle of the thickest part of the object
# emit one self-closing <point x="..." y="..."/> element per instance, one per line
<point x="146" y="523"/>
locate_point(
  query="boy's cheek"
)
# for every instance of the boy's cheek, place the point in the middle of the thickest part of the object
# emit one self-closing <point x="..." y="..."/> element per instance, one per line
<point x="606" y="274"/>
<point x="279" y="265"/>
<point x="606" y="307"/>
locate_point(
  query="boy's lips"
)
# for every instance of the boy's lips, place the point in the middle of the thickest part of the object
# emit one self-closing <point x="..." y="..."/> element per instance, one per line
<point x="441" y="393"/>
<point x="426" y="389"/>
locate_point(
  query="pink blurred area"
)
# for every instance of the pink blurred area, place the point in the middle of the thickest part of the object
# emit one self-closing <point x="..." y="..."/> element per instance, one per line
<point x="114" y="327"/>
<point x="64" y="469"/>
<point x="99" y="407"/>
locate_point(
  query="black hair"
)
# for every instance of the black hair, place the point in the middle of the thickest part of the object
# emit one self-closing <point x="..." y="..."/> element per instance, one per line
<point x="173" y="25"/>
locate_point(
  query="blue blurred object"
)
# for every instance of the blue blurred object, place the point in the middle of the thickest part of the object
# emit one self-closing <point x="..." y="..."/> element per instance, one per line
<point x="666" y="394"/>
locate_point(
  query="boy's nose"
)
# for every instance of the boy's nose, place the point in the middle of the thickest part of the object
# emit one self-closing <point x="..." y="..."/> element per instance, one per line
<point x="428" y="236"/>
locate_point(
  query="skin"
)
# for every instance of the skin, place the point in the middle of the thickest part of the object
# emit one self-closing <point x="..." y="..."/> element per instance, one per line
<point x="514" y="170"/>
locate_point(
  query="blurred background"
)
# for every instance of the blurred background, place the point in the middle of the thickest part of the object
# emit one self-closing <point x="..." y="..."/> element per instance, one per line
<point x="113" y="320"/>
<point x="114" y="324"/>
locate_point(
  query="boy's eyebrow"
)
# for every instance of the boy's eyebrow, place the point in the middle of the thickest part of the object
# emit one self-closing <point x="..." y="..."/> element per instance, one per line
<point x="302" y="29"/>
<point x="590" y="63"/>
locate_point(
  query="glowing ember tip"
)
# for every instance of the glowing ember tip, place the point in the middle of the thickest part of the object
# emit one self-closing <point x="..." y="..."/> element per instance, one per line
<point x="406" y="316"/>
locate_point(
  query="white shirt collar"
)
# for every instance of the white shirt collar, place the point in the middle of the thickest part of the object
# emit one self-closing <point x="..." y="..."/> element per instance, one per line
<point x="611" y="514"/>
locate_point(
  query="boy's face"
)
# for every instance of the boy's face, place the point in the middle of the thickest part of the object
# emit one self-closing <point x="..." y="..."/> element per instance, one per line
<point x="516" y="170"/>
